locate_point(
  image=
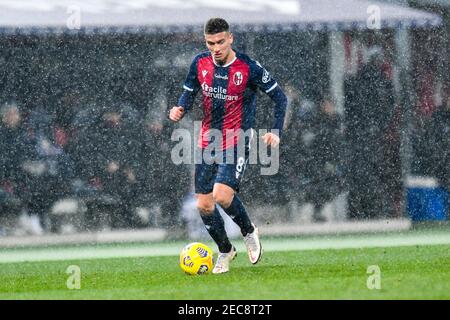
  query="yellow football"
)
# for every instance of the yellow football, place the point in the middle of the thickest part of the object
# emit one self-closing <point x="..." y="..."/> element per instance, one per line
<point x="196" y="258"/>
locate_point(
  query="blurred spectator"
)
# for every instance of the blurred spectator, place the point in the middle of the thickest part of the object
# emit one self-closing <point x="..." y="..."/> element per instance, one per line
<point x="323" y="169"/>
<point x="68" y="103"/>
<point x="107" y="150"/>
<point x="369" y="105"/>
<point x="438" y="137"/>
<point x="16" y="148"/>
<point x="166" y="184"/>
<point x="50" y="171"/>
<point x="295" y="142"/>
<point x="313" y="146"/>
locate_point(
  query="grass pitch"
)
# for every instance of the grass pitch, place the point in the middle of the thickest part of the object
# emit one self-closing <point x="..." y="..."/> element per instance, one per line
<point x="406" y="272"/>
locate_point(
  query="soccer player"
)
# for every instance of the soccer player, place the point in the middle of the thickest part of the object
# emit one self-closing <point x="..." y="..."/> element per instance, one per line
<point x="229" y="81"/>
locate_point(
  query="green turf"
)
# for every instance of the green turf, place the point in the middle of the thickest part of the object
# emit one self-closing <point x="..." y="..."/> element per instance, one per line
<point x="414" y="272"/>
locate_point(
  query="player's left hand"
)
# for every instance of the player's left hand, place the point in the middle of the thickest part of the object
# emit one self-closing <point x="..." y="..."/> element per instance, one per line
<point x="271" y="139"/>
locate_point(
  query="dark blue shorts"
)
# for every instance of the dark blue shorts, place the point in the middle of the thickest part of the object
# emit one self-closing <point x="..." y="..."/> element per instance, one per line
<point x="230" y="174"/>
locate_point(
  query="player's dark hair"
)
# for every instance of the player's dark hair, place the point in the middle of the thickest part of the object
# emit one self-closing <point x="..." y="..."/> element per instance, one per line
<point x="216" y="25"/>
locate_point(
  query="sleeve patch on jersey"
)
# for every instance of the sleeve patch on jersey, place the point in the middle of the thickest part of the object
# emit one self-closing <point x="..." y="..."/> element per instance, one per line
<point x="266" y="76"/>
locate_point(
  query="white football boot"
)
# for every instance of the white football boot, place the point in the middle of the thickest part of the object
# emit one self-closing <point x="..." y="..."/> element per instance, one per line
<point x="223" y="261"/>
<point x="254" y="248"/>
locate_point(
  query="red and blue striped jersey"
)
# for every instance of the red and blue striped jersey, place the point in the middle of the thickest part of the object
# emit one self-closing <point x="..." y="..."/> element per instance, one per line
<point x="229" y="95"/>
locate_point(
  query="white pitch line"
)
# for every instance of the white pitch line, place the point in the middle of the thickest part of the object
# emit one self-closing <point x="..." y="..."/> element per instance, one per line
<point x="171" y="249"/>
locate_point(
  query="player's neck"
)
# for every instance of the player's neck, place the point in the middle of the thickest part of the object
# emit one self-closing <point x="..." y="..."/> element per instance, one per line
<point x="228" y="60"/>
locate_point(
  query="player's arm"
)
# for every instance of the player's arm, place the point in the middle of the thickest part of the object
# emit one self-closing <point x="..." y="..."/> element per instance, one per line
<point x="267" y="84"/>
<point x="186" y="100"/>
<point x="279" y="98"/>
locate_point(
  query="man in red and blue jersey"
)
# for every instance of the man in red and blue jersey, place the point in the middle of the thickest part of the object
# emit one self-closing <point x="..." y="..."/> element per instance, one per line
<point x="229" y="81"/>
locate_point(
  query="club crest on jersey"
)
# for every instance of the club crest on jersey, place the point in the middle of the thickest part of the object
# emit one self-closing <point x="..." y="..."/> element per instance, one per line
<point x="204" y="72"/>
<point x="238" y="78"/>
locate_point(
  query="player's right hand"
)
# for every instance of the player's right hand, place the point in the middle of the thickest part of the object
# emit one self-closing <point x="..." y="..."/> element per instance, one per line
<point x="176" y="113"/>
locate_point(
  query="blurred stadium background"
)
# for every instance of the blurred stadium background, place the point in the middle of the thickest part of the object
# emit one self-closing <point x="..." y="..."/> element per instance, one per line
<point x="85" y="141"/>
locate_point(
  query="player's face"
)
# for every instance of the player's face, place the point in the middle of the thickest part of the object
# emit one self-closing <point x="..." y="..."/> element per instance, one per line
<point x="219" y="45"/>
